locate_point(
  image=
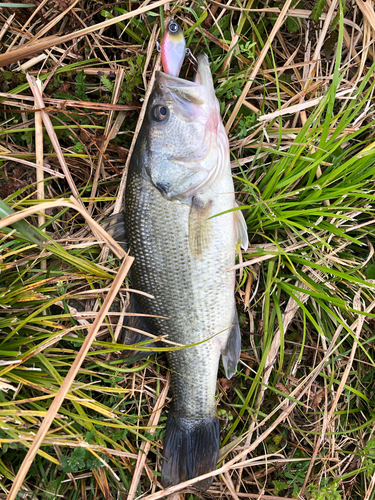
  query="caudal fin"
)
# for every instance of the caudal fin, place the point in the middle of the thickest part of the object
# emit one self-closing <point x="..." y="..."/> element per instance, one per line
<point x="191" y="448"/>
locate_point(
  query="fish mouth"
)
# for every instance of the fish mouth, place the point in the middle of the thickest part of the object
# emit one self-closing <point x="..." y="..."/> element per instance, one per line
<point x="173" y="81"/>
<point x="202" y="78"/>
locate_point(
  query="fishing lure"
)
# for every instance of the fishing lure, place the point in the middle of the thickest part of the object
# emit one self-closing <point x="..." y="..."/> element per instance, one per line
<point x="173" y="49"/>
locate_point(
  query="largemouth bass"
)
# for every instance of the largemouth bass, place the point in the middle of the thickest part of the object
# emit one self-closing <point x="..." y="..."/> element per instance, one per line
<point x="179" y="180"/>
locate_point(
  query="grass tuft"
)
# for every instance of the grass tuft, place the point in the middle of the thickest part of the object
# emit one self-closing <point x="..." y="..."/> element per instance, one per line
<point x="295" y="86"/>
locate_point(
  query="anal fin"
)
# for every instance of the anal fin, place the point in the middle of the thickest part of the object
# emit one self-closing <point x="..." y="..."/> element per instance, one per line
<point x="232" y="350"/>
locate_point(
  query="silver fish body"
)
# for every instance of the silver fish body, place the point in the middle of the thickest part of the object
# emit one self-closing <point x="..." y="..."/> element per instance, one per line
<point x="178" y="180"/>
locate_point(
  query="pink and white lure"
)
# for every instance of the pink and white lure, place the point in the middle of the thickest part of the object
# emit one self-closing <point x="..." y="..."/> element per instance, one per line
<point x="173" y="49"/>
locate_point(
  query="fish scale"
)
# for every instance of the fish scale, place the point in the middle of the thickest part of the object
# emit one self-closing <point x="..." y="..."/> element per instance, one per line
<point x="164" y="266"/>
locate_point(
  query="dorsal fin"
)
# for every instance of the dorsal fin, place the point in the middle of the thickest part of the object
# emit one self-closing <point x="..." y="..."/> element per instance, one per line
<point x="117" y="229"/>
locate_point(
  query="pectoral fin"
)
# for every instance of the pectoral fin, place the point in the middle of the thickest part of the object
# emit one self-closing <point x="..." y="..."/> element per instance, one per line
<point x="240" y="228"/>
<point x="231" y="352"/>
<point x="200" y="226"/>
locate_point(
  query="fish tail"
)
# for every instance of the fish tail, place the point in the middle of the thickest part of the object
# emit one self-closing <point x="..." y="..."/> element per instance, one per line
<point x="191" y="448"/>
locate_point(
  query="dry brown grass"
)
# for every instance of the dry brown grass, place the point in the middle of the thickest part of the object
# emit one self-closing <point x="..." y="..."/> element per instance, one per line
<point x="305" y="379"/>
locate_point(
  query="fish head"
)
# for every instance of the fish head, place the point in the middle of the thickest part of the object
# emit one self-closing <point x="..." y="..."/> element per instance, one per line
<point x="185" y="146"/>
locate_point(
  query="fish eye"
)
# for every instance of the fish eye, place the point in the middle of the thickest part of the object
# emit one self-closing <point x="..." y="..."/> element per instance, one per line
<point x="160" y="113"/>
<point x="173" y="27"/>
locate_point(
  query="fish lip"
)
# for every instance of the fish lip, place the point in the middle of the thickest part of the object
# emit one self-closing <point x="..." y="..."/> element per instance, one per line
<point x="173" y="81"/>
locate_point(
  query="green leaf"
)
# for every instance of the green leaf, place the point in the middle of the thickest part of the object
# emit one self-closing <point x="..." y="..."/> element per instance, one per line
<point x="27" y="230"/>
<point x="279" y="486"/>
<point x="293" y="24"/>
<point x="317" y="10"/>
<point x="370" y="272"/>
<point x="107" y="83"/>
<point x="75" y="462"/>
<point x="81" y="86"/>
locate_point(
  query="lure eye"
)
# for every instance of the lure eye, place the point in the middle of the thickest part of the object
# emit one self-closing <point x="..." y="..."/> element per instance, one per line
<point x="173" y="27"/>
<point x="160" y="113"/>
